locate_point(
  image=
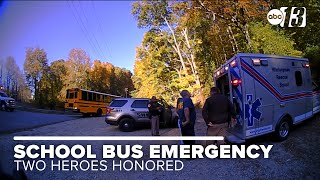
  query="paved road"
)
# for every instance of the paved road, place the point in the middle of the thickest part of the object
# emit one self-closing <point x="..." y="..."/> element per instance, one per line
<point x="22" y="120"/>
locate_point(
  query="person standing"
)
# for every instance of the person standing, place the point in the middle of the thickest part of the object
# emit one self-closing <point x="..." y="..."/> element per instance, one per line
<point x="187" y="116"/>
<point x="154" y="113"/>
<point x="217" y="113"/>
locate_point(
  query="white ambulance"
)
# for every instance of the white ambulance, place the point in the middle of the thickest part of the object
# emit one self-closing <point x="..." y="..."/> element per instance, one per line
<point x="270" y="94"/>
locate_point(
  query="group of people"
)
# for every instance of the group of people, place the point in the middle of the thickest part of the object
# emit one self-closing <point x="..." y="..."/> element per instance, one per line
<point x="218" y="113"/>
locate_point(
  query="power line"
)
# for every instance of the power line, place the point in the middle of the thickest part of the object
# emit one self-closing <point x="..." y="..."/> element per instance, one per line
<point x="94" y="37"/>
<point x="100" y="28"/>
<point x="82" y="27"/>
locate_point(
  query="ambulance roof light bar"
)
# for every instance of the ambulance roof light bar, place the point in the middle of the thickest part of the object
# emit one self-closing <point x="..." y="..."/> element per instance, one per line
<point x="256" y="62"/>
<point x="259" y="62"/>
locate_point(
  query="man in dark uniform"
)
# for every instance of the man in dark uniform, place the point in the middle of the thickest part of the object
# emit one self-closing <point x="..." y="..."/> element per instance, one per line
<point x="187" y="116"/>
<point x="217" y="113"/>
<point x="154" y="113"/>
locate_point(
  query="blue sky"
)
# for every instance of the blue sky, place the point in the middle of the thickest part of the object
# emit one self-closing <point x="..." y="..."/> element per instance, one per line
<point x="106" y="30"/>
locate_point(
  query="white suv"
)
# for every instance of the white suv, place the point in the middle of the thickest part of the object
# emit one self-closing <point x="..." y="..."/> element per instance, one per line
<point x="7" y="103"/>
<point x="129" y="112"/>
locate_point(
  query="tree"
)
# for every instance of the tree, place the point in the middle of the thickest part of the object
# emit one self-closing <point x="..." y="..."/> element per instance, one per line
<point x="163" y="18"/>
<point x="78" y="66"/>
<point x="104" y="77"/>
<point x="35" y="65"/>
<point x="308" y="36"/>
<point x="57" y="74"/>
<point x="12" y="80"/>
<point x="313" y="54"/>
<point x="237" y="14"/>
<point x="12" y="71"/>
<point x="267" y="40"/>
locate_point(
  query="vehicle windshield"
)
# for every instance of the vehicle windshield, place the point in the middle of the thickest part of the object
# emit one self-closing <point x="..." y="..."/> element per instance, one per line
<point x="2" y="94"/>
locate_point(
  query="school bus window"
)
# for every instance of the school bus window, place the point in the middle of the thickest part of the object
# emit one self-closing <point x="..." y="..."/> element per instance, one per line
<point x="298" y="76"/>
<point x="94" y="97"/>
<point x="84" y="95"/>
<point x="89" y="96"/>
<point x="108" y="99"/>
<point x="71" y="95"/>
<point x="76" y="95"/>
<point x="98" y="97"/>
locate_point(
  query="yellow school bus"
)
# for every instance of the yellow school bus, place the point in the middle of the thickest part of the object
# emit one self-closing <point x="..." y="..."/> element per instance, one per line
<point x="87" y="102"/>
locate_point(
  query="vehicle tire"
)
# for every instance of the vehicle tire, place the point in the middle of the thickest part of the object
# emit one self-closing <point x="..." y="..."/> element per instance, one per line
<point x="99" y="112"/>
<point x="283" y="129"/>
<point x="12" y="109"/>
<point x="3" y="106"/>
<point x="126" y="125"/>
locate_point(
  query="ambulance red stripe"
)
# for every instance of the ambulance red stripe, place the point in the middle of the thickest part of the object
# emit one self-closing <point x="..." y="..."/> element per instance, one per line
<point x="270" y="88"/>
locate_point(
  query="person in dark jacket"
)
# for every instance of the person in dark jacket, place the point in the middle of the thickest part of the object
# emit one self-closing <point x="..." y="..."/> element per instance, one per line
<point x="154" y="115"/>
<point x="217" y="112"/>
<point x="187" y="115"/>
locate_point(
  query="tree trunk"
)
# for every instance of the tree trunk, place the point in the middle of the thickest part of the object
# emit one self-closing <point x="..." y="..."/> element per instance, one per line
<point x="35" y="89"/>
<point x="247" y="36"/>
<point x="234" y="39"/>
<point x="176" y="45"/>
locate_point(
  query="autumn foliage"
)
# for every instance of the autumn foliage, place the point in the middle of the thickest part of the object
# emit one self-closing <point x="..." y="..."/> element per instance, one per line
<point x="50" y="82"/>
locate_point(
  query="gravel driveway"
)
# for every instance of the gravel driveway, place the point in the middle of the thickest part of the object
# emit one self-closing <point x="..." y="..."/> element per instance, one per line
<point x="296" y="158"/>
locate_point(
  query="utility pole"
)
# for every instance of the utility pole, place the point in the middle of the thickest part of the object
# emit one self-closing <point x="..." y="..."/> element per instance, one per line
<point x="126" y="90"/>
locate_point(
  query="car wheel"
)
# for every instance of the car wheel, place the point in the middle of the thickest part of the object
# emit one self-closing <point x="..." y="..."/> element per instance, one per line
<point x="283" y="129"/>
<point x="3" y="107"/>
<point x="99" y="112"/>
<point x="126" y="125"/>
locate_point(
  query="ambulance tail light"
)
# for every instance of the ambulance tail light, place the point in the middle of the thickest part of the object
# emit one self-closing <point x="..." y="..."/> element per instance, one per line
<point x="236" y="82"/>
<point x="233" y="63"/>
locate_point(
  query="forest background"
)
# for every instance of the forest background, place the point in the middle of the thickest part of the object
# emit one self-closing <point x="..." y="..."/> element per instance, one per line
<point x="184" y="43"/>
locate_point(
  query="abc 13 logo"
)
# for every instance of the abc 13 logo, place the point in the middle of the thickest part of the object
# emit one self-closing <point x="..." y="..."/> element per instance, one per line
<point x="296" y="18"/>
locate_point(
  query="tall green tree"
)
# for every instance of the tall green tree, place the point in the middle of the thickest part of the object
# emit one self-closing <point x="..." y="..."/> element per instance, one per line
<point x="267" y="40"/>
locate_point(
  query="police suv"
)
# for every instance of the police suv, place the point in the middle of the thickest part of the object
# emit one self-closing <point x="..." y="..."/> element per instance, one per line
<point x="127" y="113"/>
<point x="270" y="94"/>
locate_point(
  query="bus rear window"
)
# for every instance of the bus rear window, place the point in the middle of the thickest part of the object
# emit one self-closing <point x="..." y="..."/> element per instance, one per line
<point x="118" y="103"/>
